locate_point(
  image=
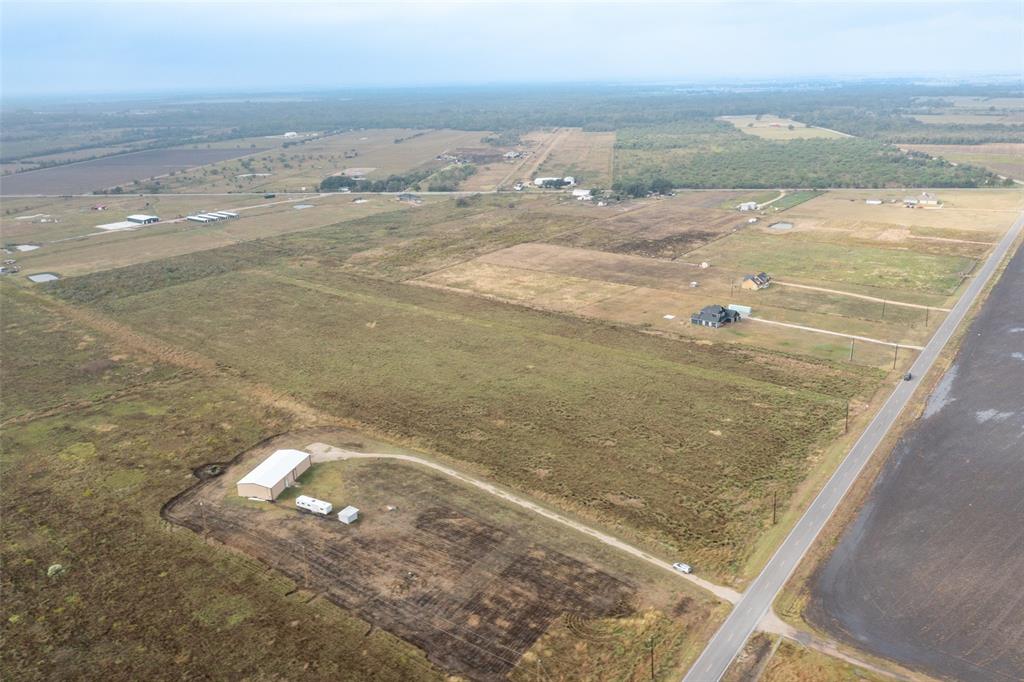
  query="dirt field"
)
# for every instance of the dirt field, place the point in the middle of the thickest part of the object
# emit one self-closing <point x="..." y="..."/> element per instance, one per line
<point x="89" y="176"/>
<point x="928" y="574"/>
<point x="474" y="584"/>
<point x="774" y="128"/>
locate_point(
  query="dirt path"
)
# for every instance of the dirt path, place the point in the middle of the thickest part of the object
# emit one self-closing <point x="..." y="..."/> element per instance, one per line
<point x="323" y="452"/>
<point x="861" y="296"/>
<point x="557" y="138"/>
<point x="774" y="625"/>
<point x="868" y="339"/>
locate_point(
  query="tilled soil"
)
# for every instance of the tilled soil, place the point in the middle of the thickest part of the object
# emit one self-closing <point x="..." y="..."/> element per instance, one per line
<point x="930" y="573"/>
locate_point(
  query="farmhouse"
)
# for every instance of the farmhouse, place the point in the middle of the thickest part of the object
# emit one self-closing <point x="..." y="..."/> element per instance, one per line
<point x="714" y="316"/>
<point x="873" y="202"/>
<point x="274" y="474"/>
<point x="748" y="206"/>
<point x="142" y="219"/>
<point x="583" y="194"/>
<point x="761" y="280"/>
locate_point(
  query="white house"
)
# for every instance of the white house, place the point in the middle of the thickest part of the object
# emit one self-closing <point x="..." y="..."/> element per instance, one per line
<point x="748" y="206"/>
<point x="583" y="194"/>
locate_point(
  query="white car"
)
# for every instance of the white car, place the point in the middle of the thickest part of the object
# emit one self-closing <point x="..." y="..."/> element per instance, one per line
<point x="682" y="568"/>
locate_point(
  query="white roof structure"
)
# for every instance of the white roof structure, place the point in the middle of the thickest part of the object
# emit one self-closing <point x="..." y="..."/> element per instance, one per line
<point x="121" y="225"/>
<point x="142" y="218"/>
<point x="271" y="470"/>
<point x="348" y="514"/>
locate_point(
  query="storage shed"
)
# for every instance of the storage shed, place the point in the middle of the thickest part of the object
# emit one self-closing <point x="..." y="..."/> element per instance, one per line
<point x="348" y="515"/>
<point x="274" y="474"/>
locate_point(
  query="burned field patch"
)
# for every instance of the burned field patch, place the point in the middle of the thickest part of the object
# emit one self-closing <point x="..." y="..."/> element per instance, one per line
<point x="473" y="595"/>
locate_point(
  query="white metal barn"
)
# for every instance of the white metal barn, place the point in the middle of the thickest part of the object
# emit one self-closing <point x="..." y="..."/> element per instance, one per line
<point x="314" y="505"/>
<point x="348" y="515"/>
<point x="274" y="474"/>
<point x="142" y="218"/>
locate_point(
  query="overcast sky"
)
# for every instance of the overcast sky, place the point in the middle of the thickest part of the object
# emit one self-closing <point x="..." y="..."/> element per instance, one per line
<point x="54" y="48"/>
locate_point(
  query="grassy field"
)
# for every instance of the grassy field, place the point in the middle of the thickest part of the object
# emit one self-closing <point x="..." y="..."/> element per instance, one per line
<point x="816" y="262"/>
<point x="547" y="414"/>
<point x="1005" y="158"/>
<point x="586" y="156"/>
<point x="779" y="129"/>
<point x="374" y="154"/>
<point x="83" y="487"/>
<point x="73" y="246"/>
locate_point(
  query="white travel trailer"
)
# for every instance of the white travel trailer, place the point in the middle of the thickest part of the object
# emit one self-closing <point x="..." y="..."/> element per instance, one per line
<point x="314" y="505"/>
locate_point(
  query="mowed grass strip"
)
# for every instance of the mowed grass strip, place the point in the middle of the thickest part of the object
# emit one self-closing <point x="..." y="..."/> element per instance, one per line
<point x="680" y="442"/>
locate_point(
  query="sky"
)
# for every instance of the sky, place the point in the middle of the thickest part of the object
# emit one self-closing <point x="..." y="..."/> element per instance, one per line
<point x="52" y="48"/>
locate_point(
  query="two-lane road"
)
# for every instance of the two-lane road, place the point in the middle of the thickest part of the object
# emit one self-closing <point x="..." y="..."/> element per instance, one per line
<point x="758" y="598"/>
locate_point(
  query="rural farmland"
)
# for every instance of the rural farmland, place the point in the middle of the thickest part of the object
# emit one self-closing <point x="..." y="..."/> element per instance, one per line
<point x="545" y="382"/>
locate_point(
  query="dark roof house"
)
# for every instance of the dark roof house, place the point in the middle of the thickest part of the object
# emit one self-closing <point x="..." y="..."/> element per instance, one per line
<point x="714" y="316"/>
<point x="759" y="281"/>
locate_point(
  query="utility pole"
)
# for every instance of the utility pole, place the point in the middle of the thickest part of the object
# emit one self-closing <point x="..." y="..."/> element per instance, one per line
<point x="774" y="495"/>
<point x="926" y="311"/>
<point x="851" y="349"/>
<point x="883" y="310"/>
<point x="650" y="645"/>
<point x="897" y="352"/>
<point x="846" y="429"/>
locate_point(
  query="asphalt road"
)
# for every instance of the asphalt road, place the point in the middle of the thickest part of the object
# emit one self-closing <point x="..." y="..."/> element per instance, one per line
<point x="757" y="599"/>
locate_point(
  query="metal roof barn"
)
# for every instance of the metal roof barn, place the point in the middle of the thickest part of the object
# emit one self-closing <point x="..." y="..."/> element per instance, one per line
<point x="274" y="474"/>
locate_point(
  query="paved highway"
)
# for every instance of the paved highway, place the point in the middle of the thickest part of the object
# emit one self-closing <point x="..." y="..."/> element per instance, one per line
<point x="758" y="598"/>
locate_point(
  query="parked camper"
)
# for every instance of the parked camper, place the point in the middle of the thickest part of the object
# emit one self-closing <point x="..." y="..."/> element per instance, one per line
<point x="314" y="505"/>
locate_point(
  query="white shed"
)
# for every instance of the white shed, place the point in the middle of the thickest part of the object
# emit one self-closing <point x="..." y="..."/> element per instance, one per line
<point x="274" y="474"/>
<point x="142" y="218"/>
<point x="348" y="515"/>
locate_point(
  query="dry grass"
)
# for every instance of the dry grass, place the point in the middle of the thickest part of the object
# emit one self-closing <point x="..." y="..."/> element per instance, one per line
<point x="772" y="127"/>
<point x="585" y="156"/>
<point x="1005" y="158"/>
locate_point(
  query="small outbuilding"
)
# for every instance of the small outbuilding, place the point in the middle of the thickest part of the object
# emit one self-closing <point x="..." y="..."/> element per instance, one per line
<point x="761" y="280"/>
<point x="748" y="206"/>
<point x="142" y="219"/>
<point x="274" y="474"/>
<point x="715" y="316"/>
<point x="348" y="515"/>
